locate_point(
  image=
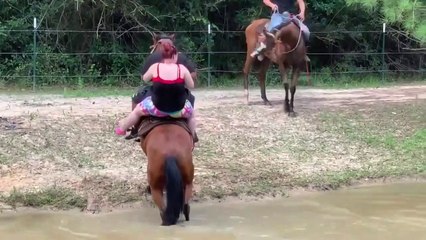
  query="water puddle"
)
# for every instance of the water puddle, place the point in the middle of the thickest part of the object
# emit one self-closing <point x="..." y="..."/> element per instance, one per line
<point x="378" y="212"/>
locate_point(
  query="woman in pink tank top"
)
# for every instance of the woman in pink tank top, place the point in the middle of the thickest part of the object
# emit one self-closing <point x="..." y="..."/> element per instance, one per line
<point x="169" y="98"/>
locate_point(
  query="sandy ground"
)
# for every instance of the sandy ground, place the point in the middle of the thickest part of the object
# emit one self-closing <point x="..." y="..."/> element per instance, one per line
<point x="69" y="142"/>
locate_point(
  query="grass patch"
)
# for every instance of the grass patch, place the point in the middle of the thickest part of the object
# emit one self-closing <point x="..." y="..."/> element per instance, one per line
<point x="331" y="180"/>
<point x="225" y="82"/>
<point x="73" y="91"/>
<point x="122" y="192"/>
<point x="401" y="136"/>
<point x="415" y="142"/>
<point x="390" y="127"/>
<point x="325" y="81"/>
<point x="56" y="197"/>
<point x="336" y="180"/>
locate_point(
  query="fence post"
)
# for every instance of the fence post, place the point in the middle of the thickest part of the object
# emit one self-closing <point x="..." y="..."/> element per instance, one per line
<point x="383" y="52"/>
<point x="34" y="52"/>
<point x="208" y="55"/>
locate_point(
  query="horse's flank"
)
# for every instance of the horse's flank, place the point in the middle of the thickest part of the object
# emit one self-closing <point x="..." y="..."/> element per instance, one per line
<point x="163" y="140"/>
<point x="168" y="148"/>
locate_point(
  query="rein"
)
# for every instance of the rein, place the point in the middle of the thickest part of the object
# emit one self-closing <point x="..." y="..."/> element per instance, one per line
<point x="154" y="46"/>
<point x="297" y="44"/>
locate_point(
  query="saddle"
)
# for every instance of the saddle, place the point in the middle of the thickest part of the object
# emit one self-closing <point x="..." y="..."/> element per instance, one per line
<point x="150" y="122"/>
<point x="279" y="20"/>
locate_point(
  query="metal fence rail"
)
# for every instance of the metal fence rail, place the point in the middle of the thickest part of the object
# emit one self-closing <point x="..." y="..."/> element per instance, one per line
<point x="208" y="53"/>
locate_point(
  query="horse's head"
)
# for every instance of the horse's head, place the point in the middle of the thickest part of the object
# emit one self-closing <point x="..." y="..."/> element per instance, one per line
<point x="159" y="39"/>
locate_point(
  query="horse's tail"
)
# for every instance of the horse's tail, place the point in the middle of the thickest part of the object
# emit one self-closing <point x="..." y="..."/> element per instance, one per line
<point x="175" y="190"/>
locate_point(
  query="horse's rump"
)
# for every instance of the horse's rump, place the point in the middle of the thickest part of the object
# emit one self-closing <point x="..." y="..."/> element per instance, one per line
<point x="150" y="122"/>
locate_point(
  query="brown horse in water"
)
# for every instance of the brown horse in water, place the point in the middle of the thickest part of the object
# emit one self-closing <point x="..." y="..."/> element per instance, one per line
<point x="287" y="49"/>
<point x="168" y="147"/>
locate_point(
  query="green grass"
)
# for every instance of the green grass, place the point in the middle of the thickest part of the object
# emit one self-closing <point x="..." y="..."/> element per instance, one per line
<point x="399" y="132"/>
<point x="330" y="81"/>
<point x="56" y="197"/>
<point x="415" y="141"/>
<point x="408" y="159"/>
<point x="223" y="83"/>
<point x="73" y="92"/>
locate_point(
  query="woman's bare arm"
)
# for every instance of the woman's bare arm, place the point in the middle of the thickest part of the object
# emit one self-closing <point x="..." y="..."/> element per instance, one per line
<point x="149" y="73"/>
<point x="189" y="82"/>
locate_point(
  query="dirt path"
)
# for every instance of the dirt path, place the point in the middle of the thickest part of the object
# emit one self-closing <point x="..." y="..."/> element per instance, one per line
<point x="50" y="140"/>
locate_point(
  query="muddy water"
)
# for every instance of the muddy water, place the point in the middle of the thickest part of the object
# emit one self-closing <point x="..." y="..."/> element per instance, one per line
<point x="380" y="212"/>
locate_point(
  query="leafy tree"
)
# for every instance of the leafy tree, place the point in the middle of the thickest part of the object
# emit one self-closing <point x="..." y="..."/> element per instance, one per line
<point x="409" y="15"/>
<point x="97" y="41"/>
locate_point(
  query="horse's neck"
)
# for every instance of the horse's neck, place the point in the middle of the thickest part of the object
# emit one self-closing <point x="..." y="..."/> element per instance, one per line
<point x="171" y="60"/>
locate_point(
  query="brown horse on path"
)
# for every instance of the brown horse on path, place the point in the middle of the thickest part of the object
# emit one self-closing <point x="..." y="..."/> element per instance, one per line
<point x="287" y="49"/>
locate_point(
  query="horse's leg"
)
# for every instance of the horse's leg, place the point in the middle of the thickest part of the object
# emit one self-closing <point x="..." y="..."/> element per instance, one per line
<point x="262" y="80"/>
<point x="148" y="187"/>
<point x="187" y="169"/>
<point x="284" y="78"/>
<point x="188" y="196"/>
<point x="294" y="80"/>
<point x="156" y="185"/>
<point x="246" y="71"/>
<point x="157" y="197"/>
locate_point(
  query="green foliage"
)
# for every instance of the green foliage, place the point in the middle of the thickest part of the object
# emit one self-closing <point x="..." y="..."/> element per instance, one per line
<point x="410" y="14"/>
<point x="94" y="42"/>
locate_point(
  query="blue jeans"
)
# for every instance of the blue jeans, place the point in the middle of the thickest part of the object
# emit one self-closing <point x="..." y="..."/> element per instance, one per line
<point x="279" y="18"/>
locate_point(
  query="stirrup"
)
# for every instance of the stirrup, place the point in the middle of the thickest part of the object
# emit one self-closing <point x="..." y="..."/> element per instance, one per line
<point x="133" y="134"/>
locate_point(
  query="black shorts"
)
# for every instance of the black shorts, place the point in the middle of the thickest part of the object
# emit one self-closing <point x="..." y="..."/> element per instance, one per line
<point x="146" y="91"/>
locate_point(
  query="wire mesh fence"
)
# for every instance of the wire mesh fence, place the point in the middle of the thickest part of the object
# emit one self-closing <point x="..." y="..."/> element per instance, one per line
<point x="111" y="57"/>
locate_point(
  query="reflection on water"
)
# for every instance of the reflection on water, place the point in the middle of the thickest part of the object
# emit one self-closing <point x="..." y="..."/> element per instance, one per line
<point x="380" y="212"/>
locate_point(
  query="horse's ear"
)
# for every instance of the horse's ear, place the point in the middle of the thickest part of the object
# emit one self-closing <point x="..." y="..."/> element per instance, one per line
<point x="173" y="37"/>
<point x="155" y="38"/>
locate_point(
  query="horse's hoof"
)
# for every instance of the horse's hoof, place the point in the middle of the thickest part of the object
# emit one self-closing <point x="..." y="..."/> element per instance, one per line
<point x="292" y="114"/>
<point x="164" y="221"/>
<point x="186" y="210"/>
<point x="286" y="109"/>
<point x="267" y="102"/>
